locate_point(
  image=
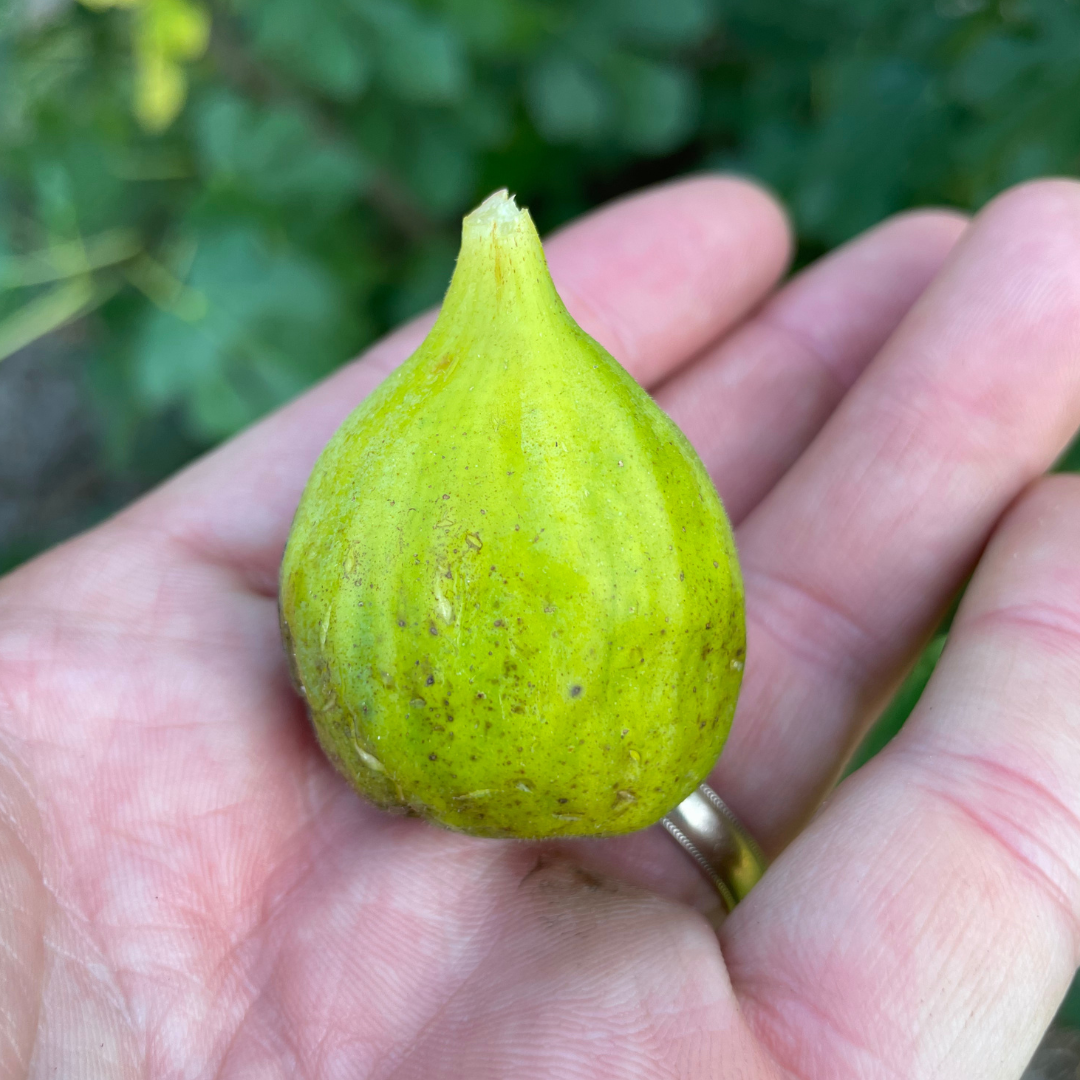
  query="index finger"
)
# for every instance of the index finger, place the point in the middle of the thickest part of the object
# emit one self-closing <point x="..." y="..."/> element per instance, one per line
<point x="655" y="278"/>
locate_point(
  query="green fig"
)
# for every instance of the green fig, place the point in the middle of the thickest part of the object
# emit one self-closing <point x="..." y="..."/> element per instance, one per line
<point x="510" y="595"/>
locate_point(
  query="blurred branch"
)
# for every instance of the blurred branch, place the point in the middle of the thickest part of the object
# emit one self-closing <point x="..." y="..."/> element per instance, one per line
<point x="165" y="290"/>
<point x="49" y="312"/>
<point x="71" y="259"/>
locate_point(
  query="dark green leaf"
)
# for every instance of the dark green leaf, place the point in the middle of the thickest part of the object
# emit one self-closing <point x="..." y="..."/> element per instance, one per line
<point x="567" y="100"/>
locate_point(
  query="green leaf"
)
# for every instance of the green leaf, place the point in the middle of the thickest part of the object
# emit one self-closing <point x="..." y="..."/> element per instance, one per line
<point x="420" y="59"/>
<point x="268" y="330"/>
<point x="487" y="117"/>
<point x="659" y="103"/>
<point x="663" y="23"/>
<point x="314" y="42"/>
<point x="992" y="69"/>
<point x="499" y="28"/>
<point x="567" y="100"/>
<point x="276" y="156"/>
<point x="441" y="169"/>
<point x="881" y="123"/>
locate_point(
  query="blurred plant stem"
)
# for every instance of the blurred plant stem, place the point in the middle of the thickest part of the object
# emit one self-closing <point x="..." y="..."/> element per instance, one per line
<point x="69" y="259"/>
<point x="52" y="310"/>
<point x="74" y="264"/>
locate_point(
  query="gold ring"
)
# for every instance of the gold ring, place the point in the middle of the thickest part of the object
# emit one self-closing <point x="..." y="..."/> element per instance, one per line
<point x="714" y="838"/>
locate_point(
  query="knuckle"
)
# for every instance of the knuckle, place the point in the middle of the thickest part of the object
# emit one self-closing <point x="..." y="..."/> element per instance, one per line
<point x="1005" y="799"/>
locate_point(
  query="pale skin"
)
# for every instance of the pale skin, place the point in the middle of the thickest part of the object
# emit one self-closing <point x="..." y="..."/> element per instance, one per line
<point x="188" y="890"/>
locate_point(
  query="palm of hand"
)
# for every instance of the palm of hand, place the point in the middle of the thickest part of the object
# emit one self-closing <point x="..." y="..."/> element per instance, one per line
<point x="216" y="886"/>
<point x="193" y="891"/>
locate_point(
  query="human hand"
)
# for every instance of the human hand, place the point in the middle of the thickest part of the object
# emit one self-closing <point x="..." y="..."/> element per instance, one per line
<point x="188" y="889"/>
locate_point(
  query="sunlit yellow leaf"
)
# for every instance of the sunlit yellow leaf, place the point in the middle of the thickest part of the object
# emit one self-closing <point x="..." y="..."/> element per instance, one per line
<point x="166" y="31"/>
<point x="179" y="29"/>
<point x="160" y="89"/>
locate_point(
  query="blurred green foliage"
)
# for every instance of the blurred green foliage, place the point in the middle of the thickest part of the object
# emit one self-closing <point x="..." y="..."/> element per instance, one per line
<point x="307" y="196"/>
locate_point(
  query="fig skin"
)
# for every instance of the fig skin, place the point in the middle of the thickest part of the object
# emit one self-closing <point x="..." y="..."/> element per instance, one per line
<point x="510" y="596"/>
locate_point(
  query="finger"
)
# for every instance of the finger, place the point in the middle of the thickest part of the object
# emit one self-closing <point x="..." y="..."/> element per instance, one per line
<point x="655" y="277"/>
<point x="928" y="923"/>
<point x="658" y="276"/>
<point x="754" y="402"/>
<point x="852" y="558"/>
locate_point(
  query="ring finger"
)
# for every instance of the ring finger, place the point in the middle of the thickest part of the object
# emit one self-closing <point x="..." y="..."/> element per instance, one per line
<point x="852" y="557"/>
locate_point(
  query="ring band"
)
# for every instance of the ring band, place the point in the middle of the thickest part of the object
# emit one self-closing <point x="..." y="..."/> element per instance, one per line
<point x="713" y="837"/>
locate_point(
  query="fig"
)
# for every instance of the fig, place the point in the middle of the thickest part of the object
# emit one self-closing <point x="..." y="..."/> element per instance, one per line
<point x="510" y="595"/>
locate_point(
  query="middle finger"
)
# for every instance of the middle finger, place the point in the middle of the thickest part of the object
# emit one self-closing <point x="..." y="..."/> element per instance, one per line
<point x="853" y="556"/>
